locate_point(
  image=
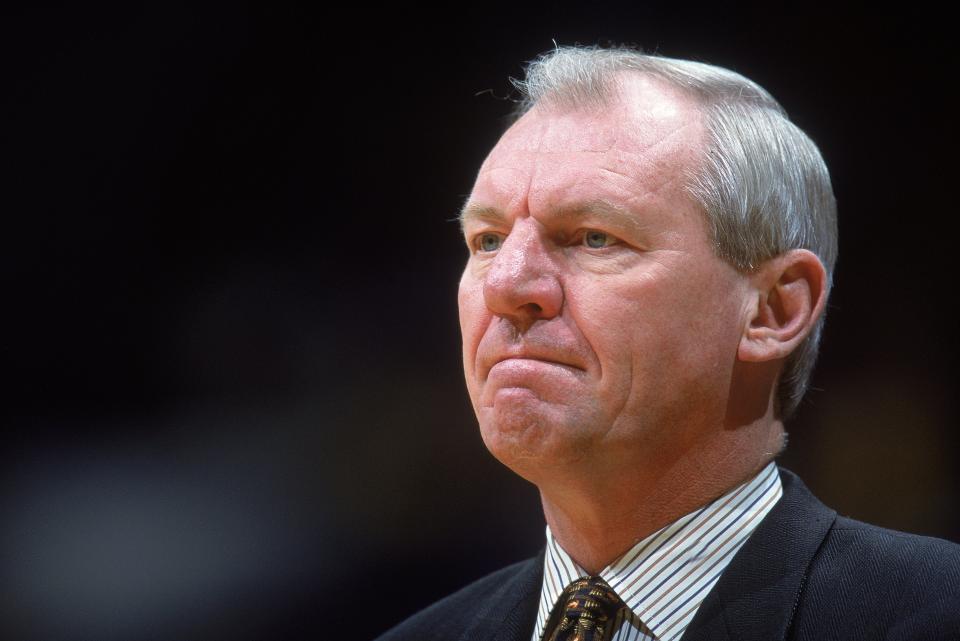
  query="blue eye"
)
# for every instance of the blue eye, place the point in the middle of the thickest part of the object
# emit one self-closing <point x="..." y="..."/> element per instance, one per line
<point x="489" y="242"/>
<point x="597" y="239"/>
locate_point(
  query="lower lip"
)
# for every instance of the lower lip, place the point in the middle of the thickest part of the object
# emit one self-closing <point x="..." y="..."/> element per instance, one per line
<point x="523" y="368"/>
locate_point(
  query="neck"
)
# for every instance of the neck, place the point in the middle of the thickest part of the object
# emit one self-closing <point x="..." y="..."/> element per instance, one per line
<point x="596" y="518"/>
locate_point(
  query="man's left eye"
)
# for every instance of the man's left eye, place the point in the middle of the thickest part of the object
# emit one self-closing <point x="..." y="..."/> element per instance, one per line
<point x="598" y="239"/>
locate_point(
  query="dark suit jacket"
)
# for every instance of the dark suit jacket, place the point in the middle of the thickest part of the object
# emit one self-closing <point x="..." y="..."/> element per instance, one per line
<point x="804" y="574"/>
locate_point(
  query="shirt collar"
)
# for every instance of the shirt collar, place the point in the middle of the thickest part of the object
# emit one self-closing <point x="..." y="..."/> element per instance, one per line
<point x="664" y="578"/>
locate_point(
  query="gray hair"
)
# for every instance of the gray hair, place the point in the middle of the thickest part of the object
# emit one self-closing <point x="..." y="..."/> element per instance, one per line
<point x="763" y="184"/>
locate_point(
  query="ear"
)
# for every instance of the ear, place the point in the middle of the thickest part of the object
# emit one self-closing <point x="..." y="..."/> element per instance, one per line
<point x="788" y="295"/>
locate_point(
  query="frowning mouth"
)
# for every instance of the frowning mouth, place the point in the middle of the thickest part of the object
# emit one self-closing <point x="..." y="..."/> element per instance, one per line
<point x="546" y="354"/>
<point x="531" y="365"/>
<point x="536" y="359"/>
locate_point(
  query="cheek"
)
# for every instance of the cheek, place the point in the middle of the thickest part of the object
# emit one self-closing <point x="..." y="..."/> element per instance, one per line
<point x="473" y="318"/>
<point x="688" y="332"/>
<point x="655" y="328"/>
<point x="610" y="321"/>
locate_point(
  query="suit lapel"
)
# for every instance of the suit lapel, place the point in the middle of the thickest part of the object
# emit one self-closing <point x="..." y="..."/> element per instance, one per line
<point x="756" y="596"/>
<point x="510" y="613"/>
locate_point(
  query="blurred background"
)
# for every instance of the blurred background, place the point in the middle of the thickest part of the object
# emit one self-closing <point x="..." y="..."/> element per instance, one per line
<point x="232" y="395"/>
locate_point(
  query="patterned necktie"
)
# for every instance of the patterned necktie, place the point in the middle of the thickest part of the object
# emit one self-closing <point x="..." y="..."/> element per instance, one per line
<point x="586" y="611"/>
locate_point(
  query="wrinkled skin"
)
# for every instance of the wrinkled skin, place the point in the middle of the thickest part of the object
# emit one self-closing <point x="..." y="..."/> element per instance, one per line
<point x="599" y="326"/>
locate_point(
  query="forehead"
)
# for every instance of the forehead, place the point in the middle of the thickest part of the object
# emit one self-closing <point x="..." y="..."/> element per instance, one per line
<point x="642" y="144"/>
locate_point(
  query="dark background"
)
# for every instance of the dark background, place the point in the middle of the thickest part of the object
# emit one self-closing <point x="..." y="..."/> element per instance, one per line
<point x="232" y="395"/>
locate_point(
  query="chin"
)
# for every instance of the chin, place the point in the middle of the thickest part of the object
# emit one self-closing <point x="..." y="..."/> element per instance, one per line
<point x="530" y="442"/>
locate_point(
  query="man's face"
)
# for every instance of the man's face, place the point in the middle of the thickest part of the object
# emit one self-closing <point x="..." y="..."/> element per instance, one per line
<point x="597" y="320"/>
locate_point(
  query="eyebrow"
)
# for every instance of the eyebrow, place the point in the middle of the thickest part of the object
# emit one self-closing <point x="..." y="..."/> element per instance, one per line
<point x="473" y="212"/>
<point x="598" y="209"/>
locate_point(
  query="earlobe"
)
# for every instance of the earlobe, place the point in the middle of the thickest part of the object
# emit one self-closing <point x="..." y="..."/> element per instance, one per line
<point x="787" y="297"/>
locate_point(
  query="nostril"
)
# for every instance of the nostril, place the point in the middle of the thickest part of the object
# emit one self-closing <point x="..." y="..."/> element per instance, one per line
<point x="536" y="309"/>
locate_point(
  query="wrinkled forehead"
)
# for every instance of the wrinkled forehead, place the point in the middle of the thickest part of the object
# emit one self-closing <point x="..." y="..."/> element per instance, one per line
<point x="643" y="143"/>
<point x="644" y="115"/>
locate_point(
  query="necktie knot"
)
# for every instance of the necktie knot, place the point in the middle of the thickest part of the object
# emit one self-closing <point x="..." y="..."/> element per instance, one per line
<point x="586" y="612"/>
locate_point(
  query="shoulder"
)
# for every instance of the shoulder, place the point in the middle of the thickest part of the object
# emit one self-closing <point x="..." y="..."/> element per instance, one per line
<point x="898" y="585"/>
<point x="855" y="550"/>
<point x="815" y="575"/>
<point x="889" y="548"/>
<point x="503" y="598"/>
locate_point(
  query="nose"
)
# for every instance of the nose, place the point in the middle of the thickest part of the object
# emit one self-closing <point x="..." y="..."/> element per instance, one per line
<point x="522" y="284"/>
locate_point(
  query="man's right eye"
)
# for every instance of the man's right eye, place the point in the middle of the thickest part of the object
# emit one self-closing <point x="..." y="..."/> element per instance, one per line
<point x="489" y="242"/>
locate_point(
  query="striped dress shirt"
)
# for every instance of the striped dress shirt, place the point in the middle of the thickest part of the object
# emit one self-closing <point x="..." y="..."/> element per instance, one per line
<point x="664" y="578"/>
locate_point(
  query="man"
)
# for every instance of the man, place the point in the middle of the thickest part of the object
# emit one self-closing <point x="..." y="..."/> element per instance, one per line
<point x="651" y="246"/>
